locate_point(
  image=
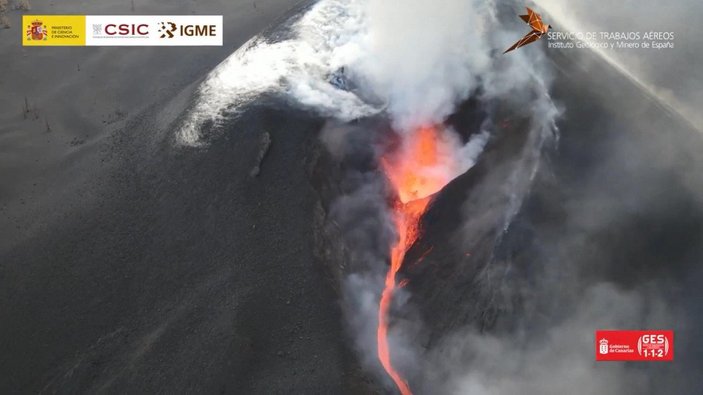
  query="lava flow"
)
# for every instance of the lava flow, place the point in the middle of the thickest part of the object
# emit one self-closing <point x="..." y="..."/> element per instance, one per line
<point x="420" y="168"/>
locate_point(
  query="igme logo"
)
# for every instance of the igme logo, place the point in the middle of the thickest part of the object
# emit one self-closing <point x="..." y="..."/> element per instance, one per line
<point x="170" y="30"/>
<point x="166" y="29"/>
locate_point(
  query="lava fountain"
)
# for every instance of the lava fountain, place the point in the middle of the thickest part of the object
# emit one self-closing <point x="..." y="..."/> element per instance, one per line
<point x="423" y="164"/>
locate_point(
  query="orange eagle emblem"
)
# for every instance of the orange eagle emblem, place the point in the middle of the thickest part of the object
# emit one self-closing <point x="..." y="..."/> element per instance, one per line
<point x="539" y="29"/>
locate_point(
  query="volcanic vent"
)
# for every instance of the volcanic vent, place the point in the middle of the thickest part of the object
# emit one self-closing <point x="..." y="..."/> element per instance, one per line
<point x="406" y="111"/>
<point x="424" y="162"/>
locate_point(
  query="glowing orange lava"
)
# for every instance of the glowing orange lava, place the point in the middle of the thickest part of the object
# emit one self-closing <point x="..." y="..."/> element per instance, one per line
<point x="416" y="171"/>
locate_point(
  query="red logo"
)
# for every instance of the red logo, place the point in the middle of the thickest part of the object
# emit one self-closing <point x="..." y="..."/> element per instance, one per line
<point x="634" y="345"/>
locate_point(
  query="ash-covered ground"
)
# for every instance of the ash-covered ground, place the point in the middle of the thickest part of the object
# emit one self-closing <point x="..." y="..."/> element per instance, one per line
<point x="226" y="231"/>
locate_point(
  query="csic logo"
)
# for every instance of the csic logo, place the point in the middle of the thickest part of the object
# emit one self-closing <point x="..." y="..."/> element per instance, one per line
<point x="36" y="31"/>
<point x="127" y="29"/>
<point x="170" y="30"/>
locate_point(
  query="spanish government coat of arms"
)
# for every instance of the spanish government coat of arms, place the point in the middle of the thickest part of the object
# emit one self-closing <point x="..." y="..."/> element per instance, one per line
<point x="36" y="31"/>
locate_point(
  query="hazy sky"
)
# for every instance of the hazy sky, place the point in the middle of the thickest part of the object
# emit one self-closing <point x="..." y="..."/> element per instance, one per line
<point x="675" y="74"/>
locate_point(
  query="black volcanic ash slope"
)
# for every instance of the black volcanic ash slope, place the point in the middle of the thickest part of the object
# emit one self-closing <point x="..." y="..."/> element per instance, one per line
<point x="190" y="275"/>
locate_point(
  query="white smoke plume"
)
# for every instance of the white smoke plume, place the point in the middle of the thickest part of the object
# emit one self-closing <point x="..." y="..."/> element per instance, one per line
<point x="418" y="58"/>
<point x="422" y="57"/>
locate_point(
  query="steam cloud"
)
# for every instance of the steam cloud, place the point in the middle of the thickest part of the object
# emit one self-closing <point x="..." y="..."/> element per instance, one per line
<point x="422" y="57"/>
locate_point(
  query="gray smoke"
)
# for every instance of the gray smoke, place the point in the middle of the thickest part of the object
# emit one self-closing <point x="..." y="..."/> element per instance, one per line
<point x="557" y="360"/>
<point x="624" y="252"/>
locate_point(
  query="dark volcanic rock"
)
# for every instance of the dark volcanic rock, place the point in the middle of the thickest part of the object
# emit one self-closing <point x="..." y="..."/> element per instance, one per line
<point x="460" y="232"/>
<point x="188" y="275"/>
<point x="264" y="146"/>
